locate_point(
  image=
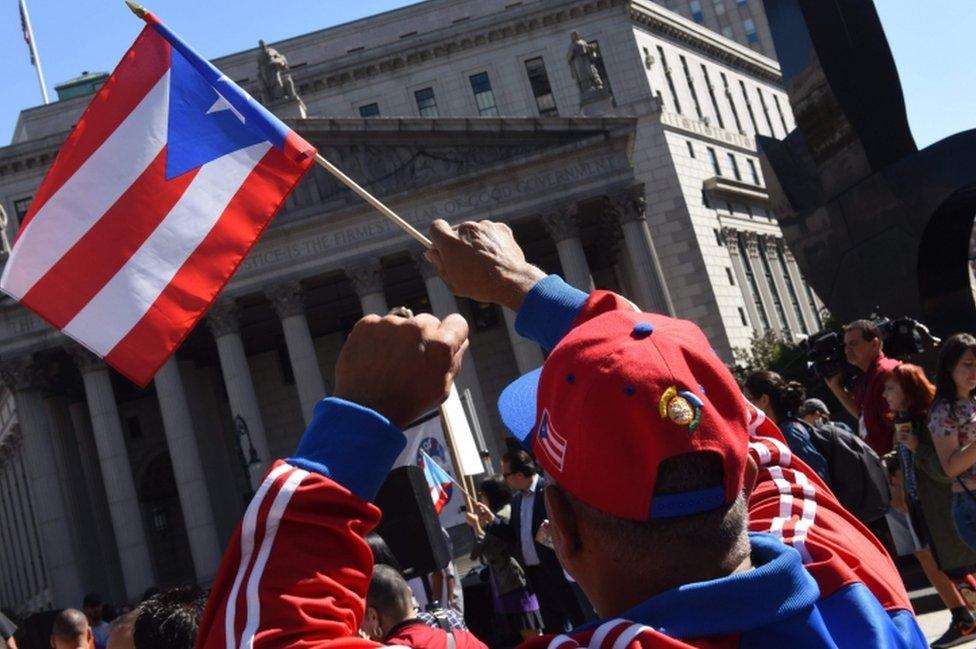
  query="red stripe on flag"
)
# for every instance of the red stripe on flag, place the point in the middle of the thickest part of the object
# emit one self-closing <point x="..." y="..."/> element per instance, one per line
<point x="141" y="67"/>
<point x="78" y="276"/>
<point x="182" y="303"/>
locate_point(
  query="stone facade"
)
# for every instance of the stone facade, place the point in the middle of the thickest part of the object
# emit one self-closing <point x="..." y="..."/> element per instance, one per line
<point x="629" y="200"/>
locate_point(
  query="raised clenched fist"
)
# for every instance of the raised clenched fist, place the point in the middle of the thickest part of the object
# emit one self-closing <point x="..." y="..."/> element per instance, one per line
<point x="481" y="260"/>
<point x="401" y="367"/>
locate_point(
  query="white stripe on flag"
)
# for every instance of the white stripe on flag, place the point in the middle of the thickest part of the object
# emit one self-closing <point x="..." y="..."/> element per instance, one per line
<point x="94" y="187"/>
<point x="270" y="531"/>
<point x="125" y="298"/>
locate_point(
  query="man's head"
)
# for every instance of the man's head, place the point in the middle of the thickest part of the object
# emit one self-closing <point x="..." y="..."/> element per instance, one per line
<point x="70" y="630"/>
<point x="862" y="343"/>
<point x="92" y="606"/>
<point x="389" y="601"/>
<point x="120" y="633"/>
<point x="170" y="619"/>
<point x="518" y="468"/>
<point x="644" y="433"/>
<point x="814" y="412"/>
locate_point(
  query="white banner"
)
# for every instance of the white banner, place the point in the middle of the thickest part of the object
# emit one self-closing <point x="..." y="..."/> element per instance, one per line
<point x="428" y="436"/>
<point x="468" y="456"/>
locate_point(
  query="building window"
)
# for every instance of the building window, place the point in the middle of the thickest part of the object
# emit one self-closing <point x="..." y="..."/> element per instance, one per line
<point x="727" y="32"/>
<point x="719" y="6"/>
<point x="691" y="148"/>
<point x="729" y="208"/>
<point x="741" y="3"/>
<point x="813" y="305"/>
<point x="426" y="104"/>
<point x="483" y="96"/>
<point x="369" y="110"/>
<point x="728" y="273"/>
<point x="742" y="316"/>
<point x="728" y="95"/>
<point x="711" y="94"/>
<point x="601" y="68"/>
<point x="750" y="26"/>
<point x="791" y="289"/>
<point x="777" y="301"/>
<point x="752" y="115"/>
<point x="754" y="171"/>
<point x="670" y="79"/>
<point x="765" y="110"/>
<point x="735" y="166"/>
<point x="707" y="203"/>
<point x="753" y="285"/>
<point x="691" y="87"/>
<point x="749" y="210"/>
<point x="539" y="80"/>
<point x="714" y="158"/>
<point x="718" y="238"/>
<point x="782" y="117"/>
<point x="21" y="207"/>
<point x="696" y="12"/>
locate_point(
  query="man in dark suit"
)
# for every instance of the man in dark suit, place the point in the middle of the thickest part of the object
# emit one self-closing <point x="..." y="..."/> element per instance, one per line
<point x="559" y="602"/>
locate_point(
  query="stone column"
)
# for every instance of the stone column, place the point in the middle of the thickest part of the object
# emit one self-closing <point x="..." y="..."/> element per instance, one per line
<point x="188" y="471"/>
<point x="113" y="458"/>
<point x="652" y="293"/>
<point x="564" y="230"/>
<point x="101" y="524"/>
<point x="528" y="355"/>
<point x="367" y="279"/>
<point x="442" y="304"/>
<point x="809" y="317"/>
<point x="44" y="484"/>
<point x="770" y="249"/>
<point x="288" y="304"/>
<point x="751" y="240"/>
<point x="12" y="559"/>
<point x="33" y="547"/>
<point x="731" y="239"/>
<point x="225" y="327"/>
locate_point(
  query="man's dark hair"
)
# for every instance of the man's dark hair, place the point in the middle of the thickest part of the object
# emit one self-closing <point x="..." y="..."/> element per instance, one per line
<point x="382" y="552"/>
<point x="170" y="619"/>
<point x="496" y="492"/>
<point x="520" y="462"/>
<point x="869" y="330"/>
<point x="709" y="537"/>
<point x="70" y="624"/>
<point x="388" y="593"/>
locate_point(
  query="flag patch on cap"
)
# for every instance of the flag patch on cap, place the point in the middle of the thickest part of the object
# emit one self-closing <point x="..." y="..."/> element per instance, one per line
<point x="552" y="443"/>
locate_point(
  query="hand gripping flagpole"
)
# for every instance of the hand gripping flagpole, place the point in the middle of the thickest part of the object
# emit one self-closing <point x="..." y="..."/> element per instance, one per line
<point x="141" y="12"/>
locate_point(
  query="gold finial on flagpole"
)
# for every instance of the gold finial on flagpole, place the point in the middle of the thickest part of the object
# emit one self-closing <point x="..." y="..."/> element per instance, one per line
<point x="137" y="9"/>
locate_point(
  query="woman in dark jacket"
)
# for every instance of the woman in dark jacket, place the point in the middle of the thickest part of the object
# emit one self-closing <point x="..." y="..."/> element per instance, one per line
<point x="495" y="547"/>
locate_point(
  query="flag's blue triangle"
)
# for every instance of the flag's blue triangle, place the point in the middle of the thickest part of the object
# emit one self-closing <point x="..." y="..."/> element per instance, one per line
<point x="203" y="125"/>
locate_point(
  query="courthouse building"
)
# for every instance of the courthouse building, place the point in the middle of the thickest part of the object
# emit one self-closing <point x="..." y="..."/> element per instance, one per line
<point x="639" y="174"/>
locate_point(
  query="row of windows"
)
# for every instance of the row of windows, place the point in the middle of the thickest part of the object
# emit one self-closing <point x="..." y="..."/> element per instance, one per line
<point x="713" y="98"/>
<point x="733" y="163"/>
<point x="484" y="97"/>
<point x="748" y="24"/>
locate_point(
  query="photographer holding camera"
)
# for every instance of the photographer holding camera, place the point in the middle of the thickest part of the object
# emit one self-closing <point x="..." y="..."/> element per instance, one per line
<point x="865" y="401"/>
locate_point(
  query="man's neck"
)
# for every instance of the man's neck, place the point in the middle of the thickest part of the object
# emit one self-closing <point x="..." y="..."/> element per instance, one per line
<point x="627" y="588"/>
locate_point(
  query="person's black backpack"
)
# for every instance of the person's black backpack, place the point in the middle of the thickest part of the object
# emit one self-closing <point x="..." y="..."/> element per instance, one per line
<point x="857" y="476"/>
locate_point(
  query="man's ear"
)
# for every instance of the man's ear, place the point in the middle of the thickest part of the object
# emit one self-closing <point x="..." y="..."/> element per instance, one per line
<point x="563" y="525"/>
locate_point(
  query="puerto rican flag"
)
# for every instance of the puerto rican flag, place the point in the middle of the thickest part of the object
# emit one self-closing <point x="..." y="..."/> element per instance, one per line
<point x="552" y="443"/>
<point x="161" y="189"/>
<point x="438" y="481"/>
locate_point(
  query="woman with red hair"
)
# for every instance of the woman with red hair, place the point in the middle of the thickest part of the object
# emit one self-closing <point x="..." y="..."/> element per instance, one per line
<point x="947" y="560"/>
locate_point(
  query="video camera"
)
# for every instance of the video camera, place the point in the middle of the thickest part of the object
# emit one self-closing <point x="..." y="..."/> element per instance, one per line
<point x="902" y="337"/>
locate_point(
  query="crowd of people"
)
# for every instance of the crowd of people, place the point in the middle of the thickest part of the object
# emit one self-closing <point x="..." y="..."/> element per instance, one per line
<point x="658" y="502"/>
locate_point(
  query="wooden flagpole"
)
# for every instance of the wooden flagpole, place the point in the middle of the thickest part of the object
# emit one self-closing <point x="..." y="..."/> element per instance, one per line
<point x="449" y="435"/>
<point x="372" y="200"/>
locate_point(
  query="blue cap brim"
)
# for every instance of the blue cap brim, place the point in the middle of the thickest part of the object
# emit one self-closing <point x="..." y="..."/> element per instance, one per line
<point x="516" y="405"/>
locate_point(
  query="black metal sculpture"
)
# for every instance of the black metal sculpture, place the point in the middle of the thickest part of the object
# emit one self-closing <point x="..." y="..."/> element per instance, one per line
<point x="872" y="221"/>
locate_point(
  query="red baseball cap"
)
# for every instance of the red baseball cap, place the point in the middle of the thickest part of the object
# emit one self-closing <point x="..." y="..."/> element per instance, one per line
<point x="621" y="393"/>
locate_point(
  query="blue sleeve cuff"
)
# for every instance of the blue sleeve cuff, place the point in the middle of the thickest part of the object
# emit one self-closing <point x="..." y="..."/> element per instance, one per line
<point x="549" y="310"/>
<point x="351" y="444"/>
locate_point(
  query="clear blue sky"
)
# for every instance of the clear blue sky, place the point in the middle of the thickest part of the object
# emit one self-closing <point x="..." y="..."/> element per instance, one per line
<point x="930" y="41"/>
